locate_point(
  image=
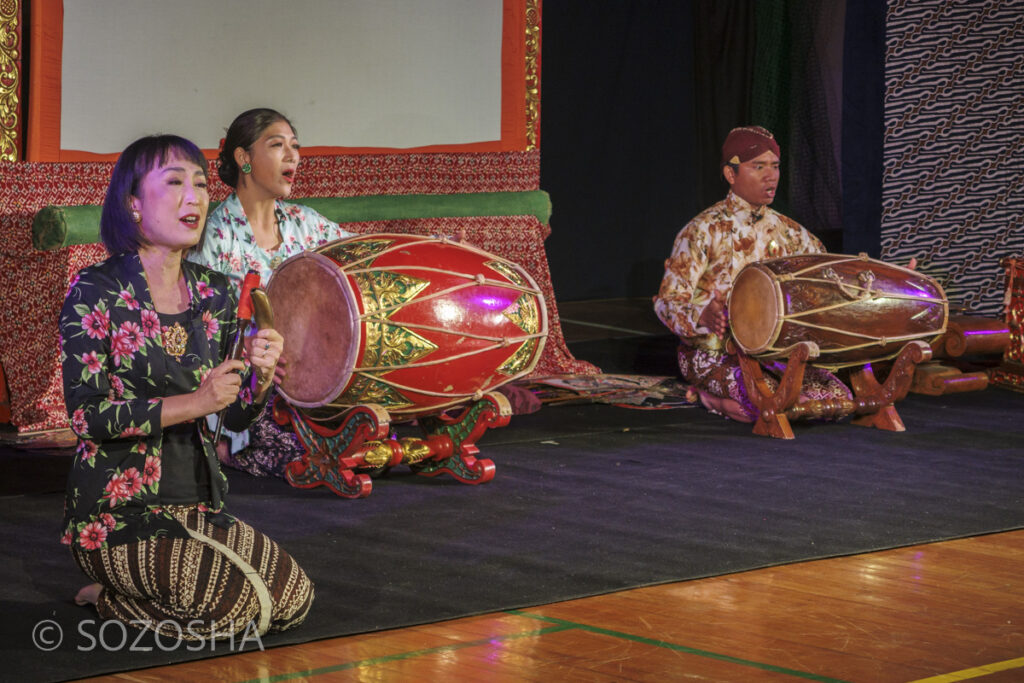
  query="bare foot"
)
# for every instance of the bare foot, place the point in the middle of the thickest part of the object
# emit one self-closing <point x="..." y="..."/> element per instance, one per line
<point x="724" y="406"/>
<point x="89" y="594"/>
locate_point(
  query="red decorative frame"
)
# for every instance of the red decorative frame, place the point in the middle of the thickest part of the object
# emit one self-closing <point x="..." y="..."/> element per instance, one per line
<point x="520" y="64"/>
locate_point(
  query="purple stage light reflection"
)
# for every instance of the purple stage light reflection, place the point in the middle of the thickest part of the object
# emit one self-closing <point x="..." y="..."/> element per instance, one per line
<point x="978" y="333"/>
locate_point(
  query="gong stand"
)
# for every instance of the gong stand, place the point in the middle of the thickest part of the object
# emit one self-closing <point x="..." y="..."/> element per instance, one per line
<point x="344" y="457"/>
<point x="872" y="402"/>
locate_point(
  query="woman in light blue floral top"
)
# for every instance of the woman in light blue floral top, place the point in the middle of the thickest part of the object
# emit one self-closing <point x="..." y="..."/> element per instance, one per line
<point x="253" y="229"/>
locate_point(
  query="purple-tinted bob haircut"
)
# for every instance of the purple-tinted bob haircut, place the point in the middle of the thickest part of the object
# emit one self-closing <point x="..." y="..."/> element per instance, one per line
<point x="119" y="233"/>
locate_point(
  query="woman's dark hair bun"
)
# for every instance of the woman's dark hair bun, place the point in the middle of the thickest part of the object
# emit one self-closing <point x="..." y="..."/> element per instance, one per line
<point x="243" y="132"/>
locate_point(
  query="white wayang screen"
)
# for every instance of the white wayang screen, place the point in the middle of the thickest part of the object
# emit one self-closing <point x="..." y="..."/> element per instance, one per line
<point x="349" y="73"/>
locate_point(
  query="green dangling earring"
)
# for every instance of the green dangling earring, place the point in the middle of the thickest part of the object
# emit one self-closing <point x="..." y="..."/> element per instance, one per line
<point x="247" y="169"/>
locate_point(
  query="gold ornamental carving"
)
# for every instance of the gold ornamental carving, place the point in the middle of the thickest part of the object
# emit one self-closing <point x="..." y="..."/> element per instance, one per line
<point x="366" y="389"/>
<point x="388" y="343"/>
<point x="10" y="79"/>
<point x="356" y="251"/>
<point x="524" y="314"/>
<point x="520" y="359"/>
<point x="532" y="74"/>
<point x="508" y="271"/>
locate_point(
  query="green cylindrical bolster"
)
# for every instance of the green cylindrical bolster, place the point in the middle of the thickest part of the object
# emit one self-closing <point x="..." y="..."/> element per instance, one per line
<point x="394" y="207"/>
<point x="54" y="227"/>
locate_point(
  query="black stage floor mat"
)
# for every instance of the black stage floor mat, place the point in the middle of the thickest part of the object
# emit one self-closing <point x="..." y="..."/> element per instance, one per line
<point x="587" y="499"/>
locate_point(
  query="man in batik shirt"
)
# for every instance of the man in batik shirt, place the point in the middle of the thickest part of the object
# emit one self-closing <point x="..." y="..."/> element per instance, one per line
<point x="708" y="255"/>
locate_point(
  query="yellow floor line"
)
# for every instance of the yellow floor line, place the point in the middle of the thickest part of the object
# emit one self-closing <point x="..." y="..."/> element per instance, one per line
<point x="975" y="672"/>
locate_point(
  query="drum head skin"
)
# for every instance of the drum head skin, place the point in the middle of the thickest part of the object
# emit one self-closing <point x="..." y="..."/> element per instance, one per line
<point x="754" y="310"/>
<point x="316" y="313"/>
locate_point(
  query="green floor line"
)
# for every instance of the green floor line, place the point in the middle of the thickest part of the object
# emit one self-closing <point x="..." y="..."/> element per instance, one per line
<point x="678" y="648"/>
<point x="373" y="661"/>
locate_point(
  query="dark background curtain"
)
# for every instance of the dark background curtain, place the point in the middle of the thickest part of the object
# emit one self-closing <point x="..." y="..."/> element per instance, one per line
<point x="797" y="94"/>
<point x="637" y="98"/>
<point x="724" y="46"/>
<point x="617" y="142"/>
<point x="863" y="126"/>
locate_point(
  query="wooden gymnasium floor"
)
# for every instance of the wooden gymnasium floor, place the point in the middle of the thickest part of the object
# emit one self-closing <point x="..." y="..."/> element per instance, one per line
<point x="940" y="612"/>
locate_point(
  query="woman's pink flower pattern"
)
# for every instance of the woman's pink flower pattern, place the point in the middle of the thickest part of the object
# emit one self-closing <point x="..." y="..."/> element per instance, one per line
<point x="95" y="324"/>
<point x="211" y="325"/>
<point x="92" y="361"/>
<point x="92" y="536"/>
<point x="151" y="472"/>
<point x="78" y="425"/>
<point x="129" y="300"/>
<point x="150" y="323"/>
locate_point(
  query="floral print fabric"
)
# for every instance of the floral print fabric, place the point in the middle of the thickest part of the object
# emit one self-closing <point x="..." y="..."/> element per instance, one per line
<point x="230" y="247"/>
<point x="711" y="250"/>
<point x="719" y="374"/>
<point x="708" y="254"/>
<point x="116" y="373"/>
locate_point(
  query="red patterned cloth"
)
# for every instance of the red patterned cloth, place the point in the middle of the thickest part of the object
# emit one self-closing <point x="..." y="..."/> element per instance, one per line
<point x="33" y="283"/>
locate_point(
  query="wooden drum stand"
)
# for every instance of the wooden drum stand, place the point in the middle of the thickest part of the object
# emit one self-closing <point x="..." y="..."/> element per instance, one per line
<point x="346" y="455"/>
<point x="872" y="404"/>
<point x="833" y="311"/>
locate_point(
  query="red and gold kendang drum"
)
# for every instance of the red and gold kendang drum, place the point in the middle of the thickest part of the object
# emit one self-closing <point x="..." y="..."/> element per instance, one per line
<point x="856" y="309"/>
<point x="413" y="324"/>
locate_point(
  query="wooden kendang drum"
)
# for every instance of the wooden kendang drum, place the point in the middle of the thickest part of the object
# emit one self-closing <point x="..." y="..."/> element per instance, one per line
<point x="398" y="325"/>
<point x="856" y="309"/>
<point x="833" y="311"/>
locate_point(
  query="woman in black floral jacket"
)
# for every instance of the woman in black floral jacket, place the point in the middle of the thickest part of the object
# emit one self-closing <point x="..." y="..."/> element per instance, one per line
<point x="144" y="338"/>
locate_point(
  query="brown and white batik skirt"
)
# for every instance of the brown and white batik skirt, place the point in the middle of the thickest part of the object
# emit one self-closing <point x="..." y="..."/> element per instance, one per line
<point x="215" y="583"/>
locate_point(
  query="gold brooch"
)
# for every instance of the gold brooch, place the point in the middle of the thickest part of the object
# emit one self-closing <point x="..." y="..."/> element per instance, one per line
<point x="175" y="339"/>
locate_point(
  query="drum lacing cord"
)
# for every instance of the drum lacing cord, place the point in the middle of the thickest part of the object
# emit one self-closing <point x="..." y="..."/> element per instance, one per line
<point x="818" y="363"/>
<point x="424" y="392"/>
<point x="456" y="398"/>
<point x="874" y="340"/>
<point x="472" y="281"/>
<point x="816" y="266"/>
<point x="420" y="239"/>
<point x="841" y="304"/>
<point x="345" y="407"/>
<point x="789" y="277"/>
<point x="498" y="344"/>
<point x="432" y="328"/>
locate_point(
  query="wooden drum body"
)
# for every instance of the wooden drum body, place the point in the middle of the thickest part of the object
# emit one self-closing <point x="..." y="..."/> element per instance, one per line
<point x="413" y="324"/>
<point x="855" y="309"/>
